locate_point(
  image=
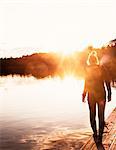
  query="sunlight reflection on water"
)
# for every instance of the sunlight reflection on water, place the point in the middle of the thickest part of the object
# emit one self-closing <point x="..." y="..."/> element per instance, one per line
<point x="31" y="107"/>
<point x="50" y="97"/>
<point x="42" y="97"/>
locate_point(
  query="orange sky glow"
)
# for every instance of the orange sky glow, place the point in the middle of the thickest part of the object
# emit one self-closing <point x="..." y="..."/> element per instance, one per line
<point x="62" y="26"/>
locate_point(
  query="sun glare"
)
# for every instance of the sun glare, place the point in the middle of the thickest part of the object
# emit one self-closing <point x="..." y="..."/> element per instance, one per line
<point x="59" y="26"/>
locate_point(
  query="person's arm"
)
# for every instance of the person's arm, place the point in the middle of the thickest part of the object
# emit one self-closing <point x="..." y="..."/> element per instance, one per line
<point x="109" y="90"/>
<point x="107" y="80"/>
<point x="84" y="92"/>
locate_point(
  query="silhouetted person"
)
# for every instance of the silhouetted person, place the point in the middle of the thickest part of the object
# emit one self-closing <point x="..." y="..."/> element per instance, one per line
<point x="96" y="76"/>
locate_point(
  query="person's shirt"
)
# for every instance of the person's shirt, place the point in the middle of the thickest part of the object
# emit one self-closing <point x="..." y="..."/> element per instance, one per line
<point x="95" y="78"/>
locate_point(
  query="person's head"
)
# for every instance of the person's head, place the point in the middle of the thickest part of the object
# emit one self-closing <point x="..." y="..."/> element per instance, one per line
<point x="93" y="59"/>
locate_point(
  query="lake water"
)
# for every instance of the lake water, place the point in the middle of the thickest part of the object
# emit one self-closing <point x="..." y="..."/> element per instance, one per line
<point x="44" y="114"/>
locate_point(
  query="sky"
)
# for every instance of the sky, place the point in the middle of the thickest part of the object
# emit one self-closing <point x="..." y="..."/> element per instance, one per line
<point x="28" y="26"/>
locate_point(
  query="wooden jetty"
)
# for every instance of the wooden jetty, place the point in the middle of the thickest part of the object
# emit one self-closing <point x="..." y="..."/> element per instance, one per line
<point x="109" y="136"/>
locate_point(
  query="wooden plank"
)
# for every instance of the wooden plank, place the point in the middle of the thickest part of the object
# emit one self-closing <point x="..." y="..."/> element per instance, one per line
<point x="113" y="145"/>
<point x="109" y="136"/>
<point x="113" y="139"/>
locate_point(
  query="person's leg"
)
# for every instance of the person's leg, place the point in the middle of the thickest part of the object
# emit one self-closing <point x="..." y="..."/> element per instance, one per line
<point x="92" y="110"/>
<point x="101" y="109"/>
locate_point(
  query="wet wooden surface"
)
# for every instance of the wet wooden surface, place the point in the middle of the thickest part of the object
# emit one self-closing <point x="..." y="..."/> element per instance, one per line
<point x="109" y="136"/>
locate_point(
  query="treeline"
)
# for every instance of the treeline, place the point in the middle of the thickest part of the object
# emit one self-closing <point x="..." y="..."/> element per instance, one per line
<point x="38" y="65"/>
<point x="42" y="65"/>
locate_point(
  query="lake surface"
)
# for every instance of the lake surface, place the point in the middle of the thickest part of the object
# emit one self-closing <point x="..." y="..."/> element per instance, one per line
<point x="44" y="114"/>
